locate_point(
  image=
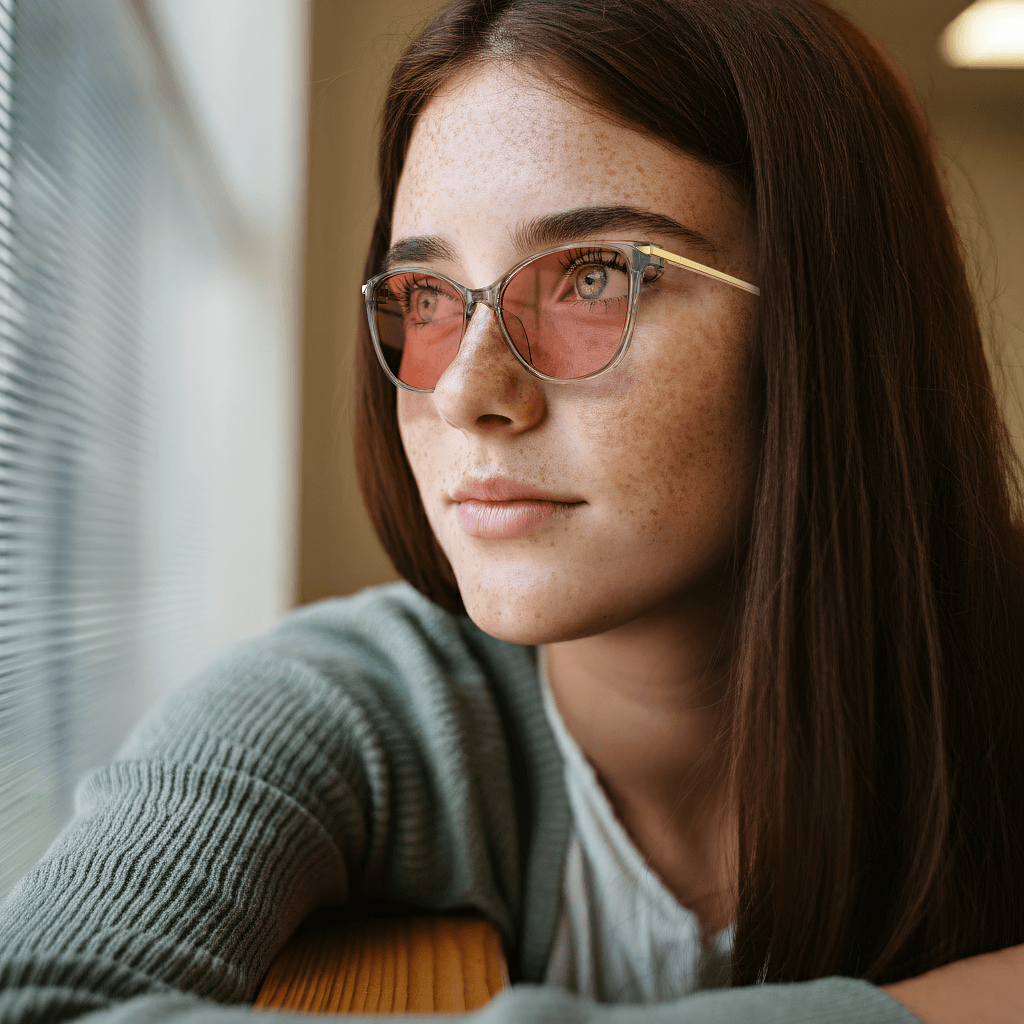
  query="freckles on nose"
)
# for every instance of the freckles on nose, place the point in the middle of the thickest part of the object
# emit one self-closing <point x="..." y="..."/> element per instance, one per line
<point x="482" y="351"/>
<point x="485" y="384"/>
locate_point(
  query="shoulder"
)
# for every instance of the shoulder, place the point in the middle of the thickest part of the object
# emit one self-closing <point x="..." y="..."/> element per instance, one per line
<point x="383" y="661"/>
<point x="394" y="617"/>
<point x="392" y="633"/>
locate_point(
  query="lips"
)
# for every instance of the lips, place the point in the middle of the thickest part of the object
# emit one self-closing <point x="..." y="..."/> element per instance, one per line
<point x="500" y="508"/>
<point x="500" y="488"/>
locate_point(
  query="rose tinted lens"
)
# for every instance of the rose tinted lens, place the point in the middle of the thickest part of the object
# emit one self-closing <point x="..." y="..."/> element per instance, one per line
<point x="570" y="309"/>
<point x="419" y="325"/>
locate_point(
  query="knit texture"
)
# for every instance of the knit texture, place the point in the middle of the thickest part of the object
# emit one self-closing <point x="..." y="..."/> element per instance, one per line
<point x="371" y="747"/>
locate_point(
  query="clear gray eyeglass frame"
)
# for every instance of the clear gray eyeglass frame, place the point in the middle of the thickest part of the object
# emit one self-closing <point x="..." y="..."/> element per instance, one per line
<point x="640" y="256"/>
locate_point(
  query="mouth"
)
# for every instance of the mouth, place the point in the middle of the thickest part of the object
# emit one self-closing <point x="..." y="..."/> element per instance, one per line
<point x="499" y="508"/>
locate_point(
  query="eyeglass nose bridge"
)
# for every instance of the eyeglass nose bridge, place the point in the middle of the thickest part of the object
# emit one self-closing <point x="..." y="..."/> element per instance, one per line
<point x="491" y="297"/>
<point x="482" y="297"/>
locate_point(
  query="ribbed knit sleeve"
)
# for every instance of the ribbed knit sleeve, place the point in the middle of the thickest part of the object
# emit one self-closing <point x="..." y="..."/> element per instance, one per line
<point x="371" y="746"/>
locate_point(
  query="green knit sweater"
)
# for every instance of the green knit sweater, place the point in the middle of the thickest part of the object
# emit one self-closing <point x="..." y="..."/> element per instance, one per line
<point x="370" y="747"/>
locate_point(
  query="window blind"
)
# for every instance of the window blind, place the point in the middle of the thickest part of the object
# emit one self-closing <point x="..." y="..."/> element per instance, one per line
<point x="146" y="348"/>
<point x="72" y="396"/>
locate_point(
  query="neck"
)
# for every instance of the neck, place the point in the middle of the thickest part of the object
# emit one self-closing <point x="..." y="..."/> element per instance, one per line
<point x="646" y="704"/>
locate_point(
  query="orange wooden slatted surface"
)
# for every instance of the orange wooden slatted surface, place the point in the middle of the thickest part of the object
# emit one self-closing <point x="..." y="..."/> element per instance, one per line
<point x="411" y="964"/>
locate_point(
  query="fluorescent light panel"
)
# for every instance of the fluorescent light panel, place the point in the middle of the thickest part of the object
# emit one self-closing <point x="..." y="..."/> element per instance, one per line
<point x="989" y="34"/>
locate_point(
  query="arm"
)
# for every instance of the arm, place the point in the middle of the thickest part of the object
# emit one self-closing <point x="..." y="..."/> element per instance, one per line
<point x="986" y="989"/>
<point x="304" y="769"/>
<point x="349" y="753"/>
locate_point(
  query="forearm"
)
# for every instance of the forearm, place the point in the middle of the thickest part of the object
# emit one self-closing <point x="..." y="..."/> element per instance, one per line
<point x="826" y="1001"/>
<point x="986" y="989"/>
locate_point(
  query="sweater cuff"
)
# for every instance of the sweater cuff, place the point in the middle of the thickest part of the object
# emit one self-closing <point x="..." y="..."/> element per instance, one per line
<point x="833" y="1000"/>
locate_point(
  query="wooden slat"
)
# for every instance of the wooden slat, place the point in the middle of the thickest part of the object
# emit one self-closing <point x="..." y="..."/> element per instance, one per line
<point x="416" y="964"/>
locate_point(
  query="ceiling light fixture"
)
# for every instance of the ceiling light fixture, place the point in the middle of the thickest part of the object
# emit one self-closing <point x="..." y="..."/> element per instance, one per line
<point x="989" y="34"/>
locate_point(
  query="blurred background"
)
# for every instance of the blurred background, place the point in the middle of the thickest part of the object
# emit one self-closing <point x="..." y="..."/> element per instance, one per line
<point x="186" y="195"/>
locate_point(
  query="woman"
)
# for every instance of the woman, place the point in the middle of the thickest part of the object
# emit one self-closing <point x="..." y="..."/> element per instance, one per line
<point x="720" y="443"/>
<point x="825" y="547"/>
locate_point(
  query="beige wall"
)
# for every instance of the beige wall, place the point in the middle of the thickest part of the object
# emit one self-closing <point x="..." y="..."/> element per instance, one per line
<point x="980" y="136"/>
<point x="984" y="156"/>
<point x="978" y="117"/>
<point x="353" y="46"/>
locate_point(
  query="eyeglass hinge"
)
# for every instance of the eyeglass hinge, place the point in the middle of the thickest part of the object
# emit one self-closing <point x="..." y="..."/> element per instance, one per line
<point x="652" y="252"/>
<point x="653" y="262"/>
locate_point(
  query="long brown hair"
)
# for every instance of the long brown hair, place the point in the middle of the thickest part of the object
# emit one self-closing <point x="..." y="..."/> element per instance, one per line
<point x="880" y="673"/>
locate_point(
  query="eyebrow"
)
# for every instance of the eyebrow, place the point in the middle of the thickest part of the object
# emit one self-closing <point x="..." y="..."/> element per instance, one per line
<point x="418" y="249"/>
<point x="556" y="228"/>
<point x="587" y="221"/>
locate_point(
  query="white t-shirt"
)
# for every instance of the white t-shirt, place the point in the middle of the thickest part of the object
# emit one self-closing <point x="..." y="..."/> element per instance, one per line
<point x="622" y="937"/>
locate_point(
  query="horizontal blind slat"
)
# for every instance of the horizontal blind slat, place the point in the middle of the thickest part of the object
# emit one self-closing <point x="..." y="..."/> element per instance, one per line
<point x="72" y="139"/>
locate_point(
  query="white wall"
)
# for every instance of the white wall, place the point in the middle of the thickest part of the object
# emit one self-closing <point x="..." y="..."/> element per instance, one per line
<point x="222" y="309"/>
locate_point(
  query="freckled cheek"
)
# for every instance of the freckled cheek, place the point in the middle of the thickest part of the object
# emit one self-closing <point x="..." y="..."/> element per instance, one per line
<point x="632" y="459"/>
<point x="418" y="428"/>
<point x="676" y="443"/>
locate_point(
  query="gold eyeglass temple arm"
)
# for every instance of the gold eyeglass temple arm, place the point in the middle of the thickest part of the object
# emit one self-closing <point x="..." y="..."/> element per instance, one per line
<point x="698" y="268"/>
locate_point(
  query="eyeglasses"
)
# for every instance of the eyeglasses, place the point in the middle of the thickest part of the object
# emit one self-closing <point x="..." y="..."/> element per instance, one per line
<point x="566" y="313"/>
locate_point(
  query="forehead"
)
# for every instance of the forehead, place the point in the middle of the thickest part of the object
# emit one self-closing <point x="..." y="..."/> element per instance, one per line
<point x="500" y="146"/>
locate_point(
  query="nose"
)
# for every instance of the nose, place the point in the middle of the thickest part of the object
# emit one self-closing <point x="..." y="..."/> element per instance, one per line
<point x="485" y="387"/>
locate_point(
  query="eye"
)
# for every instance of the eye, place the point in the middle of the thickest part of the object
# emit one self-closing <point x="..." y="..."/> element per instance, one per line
<point x="424" y="300"/>
<point x="424" y="304"/>
<point x="594" y="275"/>
<point x="591" y="282"/>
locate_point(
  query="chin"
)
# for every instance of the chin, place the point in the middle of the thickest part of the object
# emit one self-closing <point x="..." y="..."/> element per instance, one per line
<point x="534" y="617"/>
<point x="521" y="630"/>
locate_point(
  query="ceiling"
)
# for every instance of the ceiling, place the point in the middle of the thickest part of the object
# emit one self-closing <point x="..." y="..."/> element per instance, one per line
<point x="911" y="30"/>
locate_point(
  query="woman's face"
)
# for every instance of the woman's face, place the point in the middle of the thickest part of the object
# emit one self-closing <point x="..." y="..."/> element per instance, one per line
<point x="649" y="468"/>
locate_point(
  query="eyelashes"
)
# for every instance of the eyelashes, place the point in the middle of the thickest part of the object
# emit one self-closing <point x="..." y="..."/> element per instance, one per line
<point x="404" y="288"/>
<point x="576" y="259"/>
